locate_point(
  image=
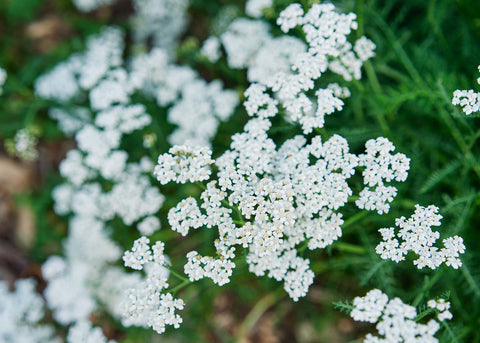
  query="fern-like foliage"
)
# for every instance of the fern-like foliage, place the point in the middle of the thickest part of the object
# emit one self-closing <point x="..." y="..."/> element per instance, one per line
<point x="344" y="306"/>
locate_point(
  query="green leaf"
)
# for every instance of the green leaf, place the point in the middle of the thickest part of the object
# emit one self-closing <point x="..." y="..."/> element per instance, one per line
<point x="438" y="175"/>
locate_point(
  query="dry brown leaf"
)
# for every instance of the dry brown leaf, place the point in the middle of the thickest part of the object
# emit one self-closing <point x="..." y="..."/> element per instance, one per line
<point x="14" y="176"/>
<point x="25" y="228"/>
<point x="47" y="32"/>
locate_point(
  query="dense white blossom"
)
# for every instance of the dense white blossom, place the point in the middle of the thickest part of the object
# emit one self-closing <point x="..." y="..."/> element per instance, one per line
<point x="259" y="103"/>
<point x="149" y="225"/>
<point x="148" y="304"/>
<point x="199" y="111"/>
<point x="276" y="55"/>
<point x="21" y="313"/>
<point x="395" y="320"/>
<point x="381" y="166"/>
<point x="261" y="182"/>
<point x="469" y="100"/>
<point x="370" y="307"/>
<point x="70" y="120"/>
<point x="83" y="71"/>
<point x="184" y="163"/>
<point x="89" y="5"/>
<point x="289" y="68"/>
<point x="196" y="107"/>
<point x="272" y="200"/>
<point x="326" y="34"/>
<point x="443" y="308"/>
<point x="254" y="7"/>
<point x="23" y="145"/>
<point x="83" y="332"/>
<point x="70" y="291"/>
<point x="243" y="39"/>
<point x="211" y="49"/>
<point x="269" y="200"/>
<point x="162" y="21"/>
<point x="364" y="48"/>
<point x="114" y="89"/>
<point x="416" y="235"/>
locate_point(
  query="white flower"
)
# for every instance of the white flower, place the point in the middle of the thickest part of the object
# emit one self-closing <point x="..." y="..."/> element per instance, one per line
<point x="161" y="21"/>
<point x="415" y="234"/>
<point x="254" y="7"/>
<point x="370" y="307"/>
<point x="184" y="163"/>
<point x="469" y="100"/>
<point x="260" y="182"/>
<point x="364" y="48"/>
<point x="148" y="304"/>
<point x="72" y="120"/>
<point x="25" y="145"/>
<point x="381" y="166"/>
<point x="139" y="255"/>
<point x="20" y="313"/>
<point x="242" y="40"/>
<point x="395" y="320"/>
<point x="211" y="49"/>
<point x="90" y="5"/>
<point x="149" y="225"/>
<point x="83" y="331"/>
<point x="290" y="17"/>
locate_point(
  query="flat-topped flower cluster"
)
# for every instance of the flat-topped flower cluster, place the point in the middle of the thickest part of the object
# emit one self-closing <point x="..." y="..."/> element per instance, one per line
<point x="273" y="200"/>
<point x="416" y="235"/>
<point x="468" y="99"/>
<point x="396" y="321"/>
<point x="266" y="202"/>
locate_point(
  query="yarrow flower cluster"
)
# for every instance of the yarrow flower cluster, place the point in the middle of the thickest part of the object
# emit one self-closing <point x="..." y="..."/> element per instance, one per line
<point x="395" y="320"/>
<point x="21" y="313"/>
<point x="184" y="163"/>
<point x="83" y="332"/>
<point x="442" y="307"/>
<point x="289" y="68"/>
<point x="90" y="5"/>
<point x="102" y="182"/>
<point x="328" y="48"/>
<point x="260" y="182"/>
<point x="160" y="21"/>
<point x="24" y="144"/>
<point x="381" y="166"/>
<point x="148" y="304"/>
<point x="250" y="203"/>
<point x="81" y="282"/>
<point x="254" y="7"/>
<point x="416" y="235"/>
<point x="469" y="100"/>
<point x="273" y="200"/>
<point x="196" y="106"/>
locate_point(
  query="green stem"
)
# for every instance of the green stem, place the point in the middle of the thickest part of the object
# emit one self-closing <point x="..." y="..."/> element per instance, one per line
<point x="174" y="273"/>
<point x="255" y="314"/>
<point x="424" y="314"/>
<point x="351" y="248"/>
<point x="355" y="218"/>
<point x="471" y="281"/>
<point x="428" y="283"/>
<point x="398" y="48"/>
<point x="201" y="185"/>
<point x="178" y="287"/>
<point x="450" y="332"/>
